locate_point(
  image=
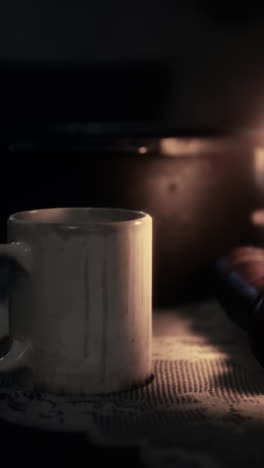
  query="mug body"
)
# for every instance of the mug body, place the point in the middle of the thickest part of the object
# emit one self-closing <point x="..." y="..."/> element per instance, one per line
<point x="85" y="305"/>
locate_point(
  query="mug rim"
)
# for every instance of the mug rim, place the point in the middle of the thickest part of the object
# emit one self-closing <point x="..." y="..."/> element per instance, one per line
<point x="26" y="217"/>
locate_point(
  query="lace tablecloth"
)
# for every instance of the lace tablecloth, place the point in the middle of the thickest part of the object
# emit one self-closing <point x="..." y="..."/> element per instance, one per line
<point x="204" y="407"/>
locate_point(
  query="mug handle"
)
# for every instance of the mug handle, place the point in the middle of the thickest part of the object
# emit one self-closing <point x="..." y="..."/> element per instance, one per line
<point x="20" y="254"/>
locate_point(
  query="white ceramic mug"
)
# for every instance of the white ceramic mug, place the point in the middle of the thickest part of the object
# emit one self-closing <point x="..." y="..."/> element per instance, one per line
<point x="81" y="298"/>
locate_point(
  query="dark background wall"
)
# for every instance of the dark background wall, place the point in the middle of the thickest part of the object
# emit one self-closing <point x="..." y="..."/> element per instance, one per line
<point x="191" y="63"/>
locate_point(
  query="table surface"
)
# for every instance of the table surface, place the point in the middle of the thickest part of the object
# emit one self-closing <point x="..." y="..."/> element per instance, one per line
<point x="203" y="408"/>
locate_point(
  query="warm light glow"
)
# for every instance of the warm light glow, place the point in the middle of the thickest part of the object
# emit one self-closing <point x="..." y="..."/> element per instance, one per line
<point x="257" y="221"/>
<point x="257" y="217"/>
<point x="259" y="167"/>
<point x="142" y="150"/>
<point x="185" y="146"/>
